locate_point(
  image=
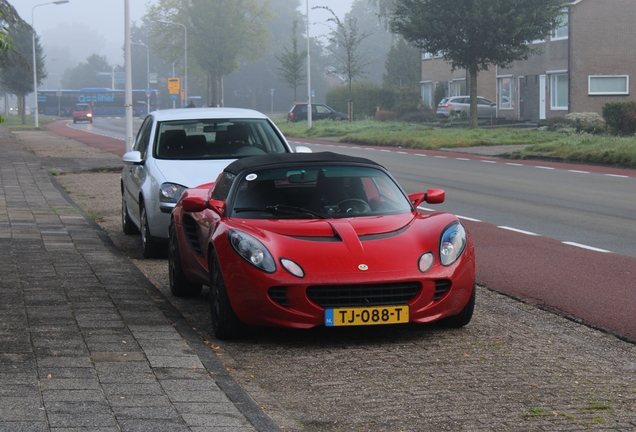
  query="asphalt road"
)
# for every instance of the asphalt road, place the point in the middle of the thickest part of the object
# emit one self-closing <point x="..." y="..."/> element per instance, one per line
<point x="558" y="235"/>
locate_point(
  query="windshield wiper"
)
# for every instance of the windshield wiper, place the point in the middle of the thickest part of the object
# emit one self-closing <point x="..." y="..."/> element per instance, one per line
<point x="282" y="209"/>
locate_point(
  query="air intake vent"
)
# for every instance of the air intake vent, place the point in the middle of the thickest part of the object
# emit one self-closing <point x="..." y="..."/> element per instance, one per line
<point x="441" y="288"/>
<point x="189" y="226"/>
<point x="363" y="295"/>
<point x="279" y="295"/>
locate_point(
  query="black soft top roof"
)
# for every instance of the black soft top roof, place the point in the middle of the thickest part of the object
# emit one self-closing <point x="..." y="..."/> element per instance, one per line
<point x="282" y="159"/>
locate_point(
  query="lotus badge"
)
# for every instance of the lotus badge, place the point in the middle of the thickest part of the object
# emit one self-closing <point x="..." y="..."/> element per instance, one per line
<point x="363" y="267"/>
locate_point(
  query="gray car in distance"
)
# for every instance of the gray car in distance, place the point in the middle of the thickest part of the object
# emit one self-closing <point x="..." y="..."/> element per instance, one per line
<point x="485" y="108"/>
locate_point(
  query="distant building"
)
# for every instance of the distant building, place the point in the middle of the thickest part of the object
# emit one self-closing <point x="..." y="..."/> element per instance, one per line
<point x="585" y="63"/>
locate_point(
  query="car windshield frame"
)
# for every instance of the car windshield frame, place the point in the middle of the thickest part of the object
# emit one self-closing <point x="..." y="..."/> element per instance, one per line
<point x="316" y="191"/>
<point x="216" y="139"/>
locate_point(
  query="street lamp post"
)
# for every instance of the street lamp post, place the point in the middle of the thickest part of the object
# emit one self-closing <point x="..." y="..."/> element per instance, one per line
<point x="35" y="66"/>
<point x="308" y="73"/>
<point x="147" y="73"/>
<point x="185" y="32"/>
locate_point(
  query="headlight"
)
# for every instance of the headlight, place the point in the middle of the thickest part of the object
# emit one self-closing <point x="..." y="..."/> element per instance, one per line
<point x="252" y="251"/>
<point x="170" y="192"/>
<point x="452" y="243"/>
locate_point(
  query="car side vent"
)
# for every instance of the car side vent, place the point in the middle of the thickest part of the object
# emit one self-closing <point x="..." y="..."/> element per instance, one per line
<point x="363" y="295"/>
<point x="189" y="226"/>
<point x="279" y="295"/>
<point x="441" y="288"/>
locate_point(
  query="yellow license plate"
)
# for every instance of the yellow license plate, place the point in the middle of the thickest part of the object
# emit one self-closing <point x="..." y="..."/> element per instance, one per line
<point x="367" y="315"/>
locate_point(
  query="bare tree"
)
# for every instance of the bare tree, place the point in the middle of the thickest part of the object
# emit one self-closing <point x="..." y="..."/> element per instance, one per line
<point x="292" y="63"/>
<point x="344" y="45"/>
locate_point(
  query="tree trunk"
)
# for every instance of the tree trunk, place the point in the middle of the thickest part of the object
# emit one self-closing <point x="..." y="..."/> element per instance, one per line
<point x="473" y="98"/>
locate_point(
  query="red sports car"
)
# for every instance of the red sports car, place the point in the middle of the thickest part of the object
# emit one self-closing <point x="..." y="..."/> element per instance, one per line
<point x="304" y="240"/>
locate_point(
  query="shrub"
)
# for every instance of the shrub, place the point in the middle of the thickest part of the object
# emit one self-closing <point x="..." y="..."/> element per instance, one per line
<point x="367" y="98"/>
<point x="588" y="122"/>
<point x="557" y="124"/>
<point x="620" y="117"/>
<point x="381" y="115"/>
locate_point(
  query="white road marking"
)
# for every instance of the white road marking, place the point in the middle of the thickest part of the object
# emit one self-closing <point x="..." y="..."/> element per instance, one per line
<point x="519" y="231"/>
<point x="587" y="247"/>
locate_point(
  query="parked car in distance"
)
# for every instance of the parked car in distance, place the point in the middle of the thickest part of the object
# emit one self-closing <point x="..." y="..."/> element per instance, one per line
<point x="485" y="108"/>
<point x="320" y="239"/>
<point x="83" y="112"/>
<point x="318" y="112"/>
<point x="180" y="148"/>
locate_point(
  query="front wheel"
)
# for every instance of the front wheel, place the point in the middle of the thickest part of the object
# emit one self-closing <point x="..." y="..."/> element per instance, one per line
<point x="150" y="248"/>
<point x="180" y="286"/>
<point x="127" y="225"/>
<point x="462" y="318"/>
<point x="225" y="323"/>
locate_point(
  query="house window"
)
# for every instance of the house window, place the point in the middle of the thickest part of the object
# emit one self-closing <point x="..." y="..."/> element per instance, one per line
<point x="426" y="89"/>
<point x="608" y="84"/>
<point x="459" y="86"/>
<point x="559" y="91"/>
<point x="561" y="31"/>
<point x="506" y="92"/>
<point x="426" y="56"/>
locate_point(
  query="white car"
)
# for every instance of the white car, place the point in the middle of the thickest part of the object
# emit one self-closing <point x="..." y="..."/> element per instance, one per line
<point x="180" y="148"/>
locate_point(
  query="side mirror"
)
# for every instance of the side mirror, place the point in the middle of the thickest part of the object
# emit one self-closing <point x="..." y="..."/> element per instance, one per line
<point x="432" y="196"/>
<point x="132" y="158"/>
<point x="435" y="196"/>
<point x="302" y="149"/>
<point x="217" y="206"/>
<point x="192" y="203"/>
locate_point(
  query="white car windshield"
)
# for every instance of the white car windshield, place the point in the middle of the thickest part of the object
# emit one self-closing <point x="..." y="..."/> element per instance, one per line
<point x="216" y="139"/>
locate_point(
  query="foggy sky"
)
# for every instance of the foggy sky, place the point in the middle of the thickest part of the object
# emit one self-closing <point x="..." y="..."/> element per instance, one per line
<point x="106" y="19"/>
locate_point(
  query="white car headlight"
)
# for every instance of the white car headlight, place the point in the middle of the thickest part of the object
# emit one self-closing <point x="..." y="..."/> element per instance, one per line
<point x="252" y="251"/>
<point x="426" y="262"/>
<point x="452" y="243"/>
<point x="170" y="192"/>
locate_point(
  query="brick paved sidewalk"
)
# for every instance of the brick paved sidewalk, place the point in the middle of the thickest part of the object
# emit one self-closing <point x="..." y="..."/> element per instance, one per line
<point x="86" y="341"/>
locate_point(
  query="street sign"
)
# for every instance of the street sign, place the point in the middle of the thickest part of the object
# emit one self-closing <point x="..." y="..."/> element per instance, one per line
<point x="148" y="92"/>
<point x="153" y="77"/>
<point x="174" y="84"/>
<point x="104" y="74"/>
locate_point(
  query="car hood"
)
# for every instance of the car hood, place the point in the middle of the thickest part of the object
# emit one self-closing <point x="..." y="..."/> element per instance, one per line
<point x="323" y="246"/>
<point x="190" y="173"/>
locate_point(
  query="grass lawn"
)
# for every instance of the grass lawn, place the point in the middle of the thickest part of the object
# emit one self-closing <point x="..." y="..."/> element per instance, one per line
<point x="593" y="149"/>
<point x="15" y="122"/>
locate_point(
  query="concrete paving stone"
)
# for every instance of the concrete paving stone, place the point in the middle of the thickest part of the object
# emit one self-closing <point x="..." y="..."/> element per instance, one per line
<point x="46" y="373"/>
<point x="8" y="426"/>
<point x="174" y="362"/>
<point x="136" y="389"/>
<point x="123" y="413"/>
<point x="18" y="390"/>
<point x="83" y="420"/>
<point x="140" y="401"/>
<point x="180" y="393"/>
<point x="21" y="409"/>
<point x="166" y="348"/>
<point x="199" y="408"/>
<point x="216" y="420"/>
<point x="152" y="425"/>
<point x="70" y="384"/>
<point x="79" y="395"/>
<point x="163" y="374"/>
<point x="78" y="407"/>
<point x="118" y="356"/>
<point x="24" y="377"/>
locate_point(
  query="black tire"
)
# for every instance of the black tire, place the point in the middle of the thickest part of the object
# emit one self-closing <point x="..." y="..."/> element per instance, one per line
<point x="127" y="225"/>
<point x="150" y="248"/>
<point x="180" y="286"/>
<point x="462" y="318"/>
<point x="225" y="323"/>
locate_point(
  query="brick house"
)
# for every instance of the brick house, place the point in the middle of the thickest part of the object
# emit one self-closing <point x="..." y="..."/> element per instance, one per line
<point x="585" y="63"/>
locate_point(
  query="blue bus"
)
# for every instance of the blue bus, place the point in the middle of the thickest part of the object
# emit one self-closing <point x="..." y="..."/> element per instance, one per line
<point x="105" y="101"/>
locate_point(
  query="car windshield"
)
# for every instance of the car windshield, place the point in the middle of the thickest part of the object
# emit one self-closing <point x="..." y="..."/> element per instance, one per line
<point x="82" y="108"/>
<point x="317" y="192"/>
<point x="216" y="139"/>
